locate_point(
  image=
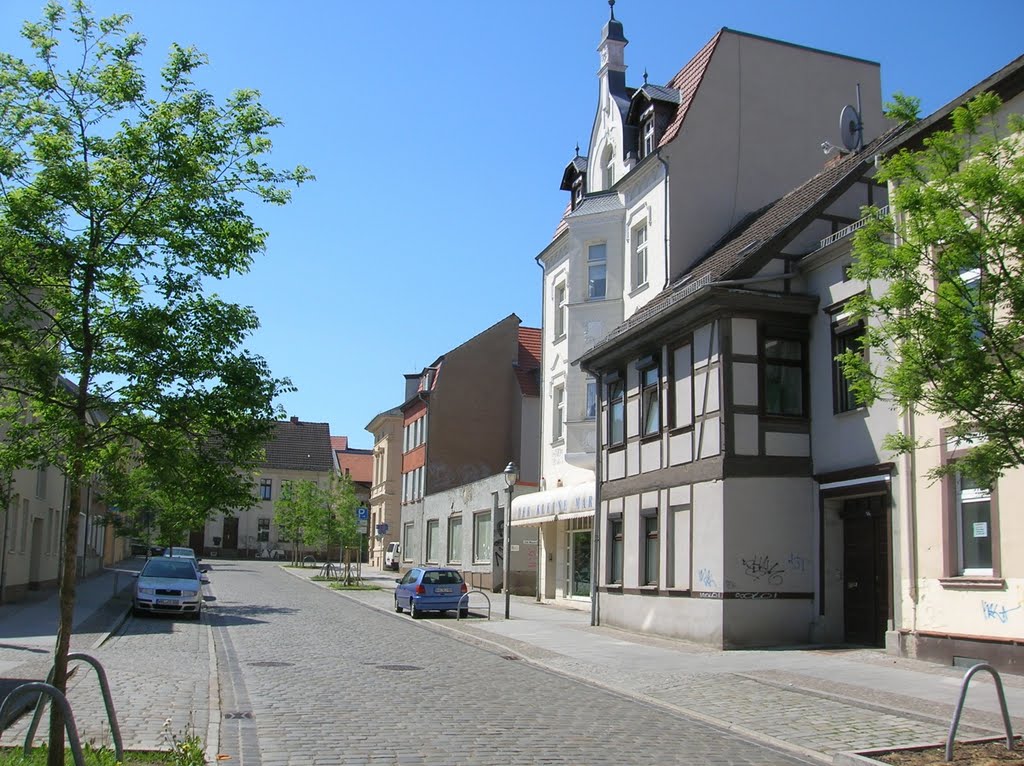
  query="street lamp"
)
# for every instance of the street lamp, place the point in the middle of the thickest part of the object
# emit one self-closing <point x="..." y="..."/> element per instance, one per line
<point x="511" y="477"/>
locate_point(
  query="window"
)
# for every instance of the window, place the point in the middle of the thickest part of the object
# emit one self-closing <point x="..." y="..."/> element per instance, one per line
<point x="560" y="310"/>
<point x="433" y="541"/>
<point x="971" y="278"/>
<point x="615" y="551"/>
<point x="974" y="527"/>
<point x="608" y="166"/>
<point x="647" y="137"/>
<point x="266" y="485"/>
<point x="640" y="255"/>
<point x="263" y="529"/>
<point x="783" y="377"/>
<point x="558" y="413"/>
<point x="597" y="267"/>
<point x="483" y="541"/>
<point x="650" y="385"/>
<point x="650" y="527"/>
<point x="13" y="513"/>
<point x="845" y="337"/>
<point x="616" y="412"/>
<point x="577" y="192"/>
<point x="407" y="531"/>
<point x="591" y="410"/>
<point x="41" y="482"/>
<point x="455" y="539"/>
<point x="24" y="524"/>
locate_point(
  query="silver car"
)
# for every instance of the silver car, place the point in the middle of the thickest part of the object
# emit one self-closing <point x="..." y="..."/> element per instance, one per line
<point x="169" y="586"/>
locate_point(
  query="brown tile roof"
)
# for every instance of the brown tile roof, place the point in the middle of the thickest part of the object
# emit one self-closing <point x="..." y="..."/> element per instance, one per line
<point x="528" y="368"/>
<point x="760" y="236"/>
<point x="300" y="446"/>
<point x="356" y="463"/>
<point x="687" y="81"/>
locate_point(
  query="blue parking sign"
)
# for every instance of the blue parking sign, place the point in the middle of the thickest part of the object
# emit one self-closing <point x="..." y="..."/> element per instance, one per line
<point x="363" y="514"/>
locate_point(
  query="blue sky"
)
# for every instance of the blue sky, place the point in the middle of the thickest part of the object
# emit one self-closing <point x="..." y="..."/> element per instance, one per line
<point x="438" y="133"/>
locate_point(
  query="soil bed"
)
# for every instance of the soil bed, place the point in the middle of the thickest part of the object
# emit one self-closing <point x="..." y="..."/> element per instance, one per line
<point x="964" y="754"/>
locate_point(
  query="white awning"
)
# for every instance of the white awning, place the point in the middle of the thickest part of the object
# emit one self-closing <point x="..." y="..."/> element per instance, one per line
<point x="553" y="504"/>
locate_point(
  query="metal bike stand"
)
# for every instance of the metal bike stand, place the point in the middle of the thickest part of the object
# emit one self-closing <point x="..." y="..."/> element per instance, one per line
<point x="328" y="570"/>
<point x="960" y="707"/>
<point x="108" y="703"/>
<point x="465" y="596"/>
<point x="61" y="701"/>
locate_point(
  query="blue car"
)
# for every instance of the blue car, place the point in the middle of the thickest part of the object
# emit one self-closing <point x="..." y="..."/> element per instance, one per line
<point x="431" y="589"/>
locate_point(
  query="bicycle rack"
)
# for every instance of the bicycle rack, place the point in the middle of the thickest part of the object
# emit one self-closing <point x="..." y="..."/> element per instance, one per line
<point x="466" y="595"/>
<point x="108" y="703"/>
<point x="61" y="701"/>
<point x="308" y="560"/>
<point x="960" y="707"/>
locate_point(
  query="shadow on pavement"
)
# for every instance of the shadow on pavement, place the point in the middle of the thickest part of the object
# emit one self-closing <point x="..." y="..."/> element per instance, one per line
<point x="225" y="615"/>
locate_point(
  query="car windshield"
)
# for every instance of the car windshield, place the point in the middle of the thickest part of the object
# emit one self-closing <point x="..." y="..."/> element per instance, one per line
<point x="442" y="577"/>
<point x="180" y="570"/>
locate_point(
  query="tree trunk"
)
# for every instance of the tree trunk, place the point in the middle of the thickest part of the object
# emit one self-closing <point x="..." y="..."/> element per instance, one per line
<point x="68" y="581"/>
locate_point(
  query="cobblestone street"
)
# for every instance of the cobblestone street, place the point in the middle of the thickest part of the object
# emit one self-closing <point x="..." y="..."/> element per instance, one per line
<point x="308" y="677"/>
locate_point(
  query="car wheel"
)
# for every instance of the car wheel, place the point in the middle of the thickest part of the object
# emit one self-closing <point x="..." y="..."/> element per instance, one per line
<point x="413" y="612"/>
<point x="397" y="607"/>
<point x="464" y="613"/>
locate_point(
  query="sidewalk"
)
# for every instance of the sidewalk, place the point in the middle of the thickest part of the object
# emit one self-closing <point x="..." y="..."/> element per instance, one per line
<point x="28" y="629"/>
<point x="817" y="703"/>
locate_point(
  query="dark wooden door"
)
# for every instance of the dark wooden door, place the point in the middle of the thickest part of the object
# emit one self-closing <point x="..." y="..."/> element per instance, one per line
<point x="865" y="570"/>
<point x="230" y="541"/>
<point x="197" y="540"/>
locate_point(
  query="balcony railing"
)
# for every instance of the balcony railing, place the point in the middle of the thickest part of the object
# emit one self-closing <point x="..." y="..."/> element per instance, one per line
<point x="848" y="230"/>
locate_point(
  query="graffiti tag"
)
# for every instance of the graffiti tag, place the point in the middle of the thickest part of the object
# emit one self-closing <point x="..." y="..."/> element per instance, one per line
<point x="797" y="563"/>
<point x="996" y="611"/>
<point x="762" y="566"/>
<point x="707" y="579"/>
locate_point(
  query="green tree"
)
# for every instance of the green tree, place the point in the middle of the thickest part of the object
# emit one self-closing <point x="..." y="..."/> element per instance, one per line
<point x="945" y="298"/>
<point x="119" y="208"/>
<point x="340" y="504"/>
<point x="294" y="512"/>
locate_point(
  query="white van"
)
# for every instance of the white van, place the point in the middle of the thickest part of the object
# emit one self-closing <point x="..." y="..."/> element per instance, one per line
<point x="392" y="556"/>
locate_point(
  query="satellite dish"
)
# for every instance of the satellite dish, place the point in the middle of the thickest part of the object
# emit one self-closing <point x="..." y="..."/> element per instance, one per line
<point x="851" y="129"/>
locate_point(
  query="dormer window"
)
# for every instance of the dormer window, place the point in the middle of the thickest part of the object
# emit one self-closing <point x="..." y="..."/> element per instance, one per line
<point x="577" y="192"/>
<point x="647" y="137"/>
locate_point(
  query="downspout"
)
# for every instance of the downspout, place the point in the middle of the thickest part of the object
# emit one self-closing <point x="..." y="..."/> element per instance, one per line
<point x="595" y="546"/>
<point x="664" y="164"/>
<point x="910" y="493"/>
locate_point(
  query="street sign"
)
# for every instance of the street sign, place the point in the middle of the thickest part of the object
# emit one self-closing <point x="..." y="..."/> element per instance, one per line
<point x="363" y="514"/>
<point x="382" y="529"/>
<point x="362" y="525"/>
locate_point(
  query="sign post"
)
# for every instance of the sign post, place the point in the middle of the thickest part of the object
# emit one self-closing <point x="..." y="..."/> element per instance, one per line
<point x="362" y="521"/>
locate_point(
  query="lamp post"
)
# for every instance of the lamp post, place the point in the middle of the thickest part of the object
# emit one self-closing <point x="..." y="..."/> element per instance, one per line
<point x="511" y="477"/>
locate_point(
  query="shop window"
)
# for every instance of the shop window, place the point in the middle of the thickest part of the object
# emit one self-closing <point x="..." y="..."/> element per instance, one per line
<point x="455" y="539"/>
<point x="483" y="540"/>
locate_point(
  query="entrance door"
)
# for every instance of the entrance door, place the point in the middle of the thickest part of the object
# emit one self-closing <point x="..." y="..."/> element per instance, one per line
<point x="578" y="564"/>
<point x="230" y="542"/>
<point x="865" y="570"/>
<point x="197" y="540"/>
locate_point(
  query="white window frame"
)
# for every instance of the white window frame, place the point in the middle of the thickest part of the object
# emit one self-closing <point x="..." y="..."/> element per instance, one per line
<point x="561" y="309"/>
<point x="966" y="495"/>
<point x="590" y="402"/>
<point x="482" y="541"/>
<point x="647" y="143"/>
<point x="558" y="412"/>
<point x="638" y="240"/>
<point x="455" y="546"/>
<point x="433" y="541"/>
<point x="595" y="263"/>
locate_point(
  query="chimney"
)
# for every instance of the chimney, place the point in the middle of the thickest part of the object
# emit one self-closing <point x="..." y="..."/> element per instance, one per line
<point x="295" y="418"/>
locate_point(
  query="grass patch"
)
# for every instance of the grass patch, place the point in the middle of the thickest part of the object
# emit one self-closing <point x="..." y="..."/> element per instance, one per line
<point x="93" y="757"/>
<point x="353" y="586"/>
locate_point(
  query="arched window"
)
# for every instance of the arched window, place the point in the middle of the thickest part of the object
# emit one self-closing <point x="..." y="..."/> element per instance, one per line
<point x="608" y="166"/>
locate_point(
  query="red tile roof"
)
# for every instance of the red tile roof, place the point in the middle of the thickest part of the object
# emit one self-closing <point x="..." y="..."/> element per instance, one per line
<point x="528" y="368"/>
<point x="357" y="463"/>
<point x="686" y="81"/>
